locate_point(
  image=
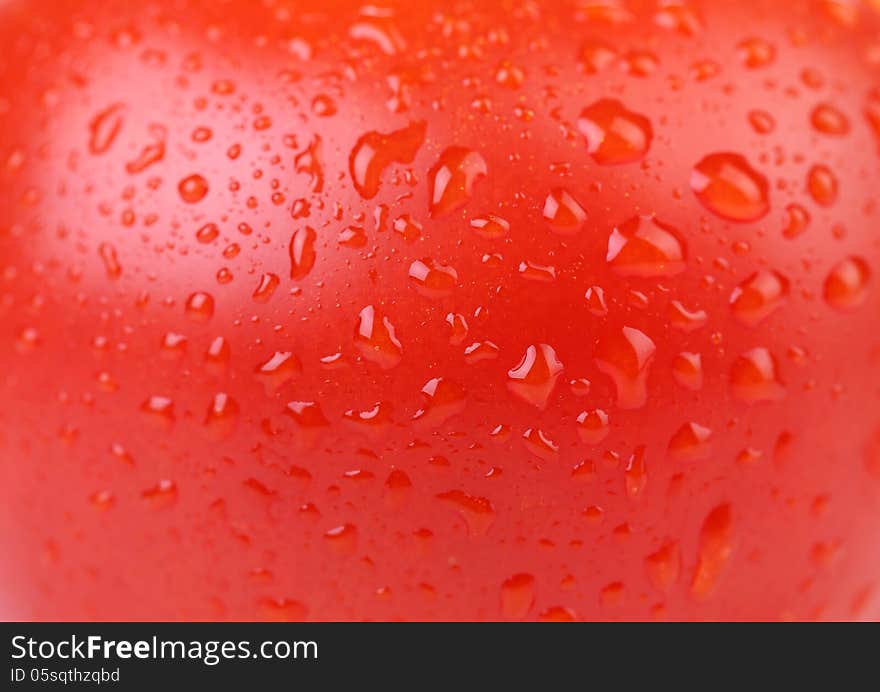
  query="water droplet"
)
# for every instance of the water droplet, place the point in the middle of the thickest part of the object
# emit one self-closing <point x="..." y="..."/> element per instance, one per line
<point x="636" y="473"/>
<point x="208" y="233"/>
<point x="509" y="75"/>
<point x="828" y="120"/>
<point x="173" y="345"/>
<point x="491" y="227"/>
<point x="375" y="151"/>
<point x="480" y="351"/>
<point x="639" y="63"/>
<point x="278" y="369"/>
<point x="762" y="122"/>
<point x="161" y="495"/>
<point x="683" y="319"/>
<point x="222" y="415"/>
<point x="822" y="185"/>
<point x="687" y="370"/>
<point x="443" y="399"/>
<point x="728" y="186"/>
<point x="111" y="260"/>
<point x="759" y="296"/>
<point x="753" y="377"/>
<point x="373" y="420"/>
<point x="536" y="272"/>
<point x="645" y="246"/>
<point x="715" y="548"/>
<point x="592" y="426"/>
<point x="755" y="53"/>
<point x="663" y="566"/>
<point x="846" y="286"/>
<point x="102" y="500"/>
<point x="302" y="252"/>
<point x="160" y="408"/>
<point x="614" y="134"/>
<point x="343" y="538"/>
<point x="281" y="610"/>
<point x="104" y="128"/>
<point x="540" y="444"/>
<point x="218" y="352"/>
<point x="580" y="386"/>
<point x="594" y="56"/>
<point x="193" y="188"/>
<point x="200" y="306"/>
<point x="266" y="288"/>
<point x="306" y="414"/>
<point x="374" y="337"/>
<point x="534" y="377"/>
<point x="452" y="179"/>
<point x="557" y="614"/>
<point x="563" y="212"/>
<point x="458" y="328"/>
<point x="626" y="357"/>
<point x="796" y="221"/>
<point x="690" y="442"/>
<point x="353" y="237"/>
<point x="151" y="153"/>
<point x="432" y="279"/>
<point x="478" y="512"/>
<point x="517" y="596"/>
<point x="595" y="297"/>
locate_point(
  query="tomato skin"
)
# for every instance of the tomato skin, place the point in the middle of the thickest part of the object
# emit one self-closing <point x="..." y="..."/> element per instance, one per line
<point x="238" y="385"/>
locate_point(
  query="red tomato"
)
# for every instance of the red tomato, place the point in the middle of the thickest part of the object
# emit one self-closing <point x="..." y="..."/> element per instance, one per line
<point x="435" y="310"/>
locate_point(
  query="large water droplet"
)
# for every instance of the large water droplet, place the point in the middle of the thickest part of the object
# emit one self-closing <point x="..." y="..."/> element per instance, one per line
<point x="615" y="135"/>
<point x="846" y="286"/>
<point x="432" y="279"/>
<point x="646" y="246"/>
<point x="759" y="296"/>
<point x="626" y="356"/>
<point x="727" y="185"/>
<point x="374" y="337"/>
<point x="453" y="177"/>
<point x="687" y="370"/>
<point x="517" y="596"/>
<point x="302" y="252"/>
<point x="105" y="127"/>
<point x="753" y="377"/>
<point x="715" y="548"/>
<point x="822" y="185"/>
<point x="278" y="369"/>
<point x="193" y="188"/>
<point x="478" y="512"/>
<point x="592" y="426"/>
<point x="443" y="399"/>
<point x="563" y="212"/>
<point x="200" y="306"/>
<point x="534" y="377"/>
<point x="828" y="120"/>
<point x="375" y="151"/>
<point x="690" y="442"/>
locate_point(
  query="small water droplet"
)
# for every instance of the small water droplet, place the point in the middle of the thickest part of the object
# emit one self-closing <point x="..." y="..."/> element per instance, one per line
<point x="796" y="221"/>
<point x="161" y="495"/>
<point x="222" y="415"/>
<point x="595" y="298"/>
<point x="540" y="444"/>
<point x="636" y="473"/>
<point x="755" y="52"/>
<point x="684" y="319"/>
<point x="491" y="227"/>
